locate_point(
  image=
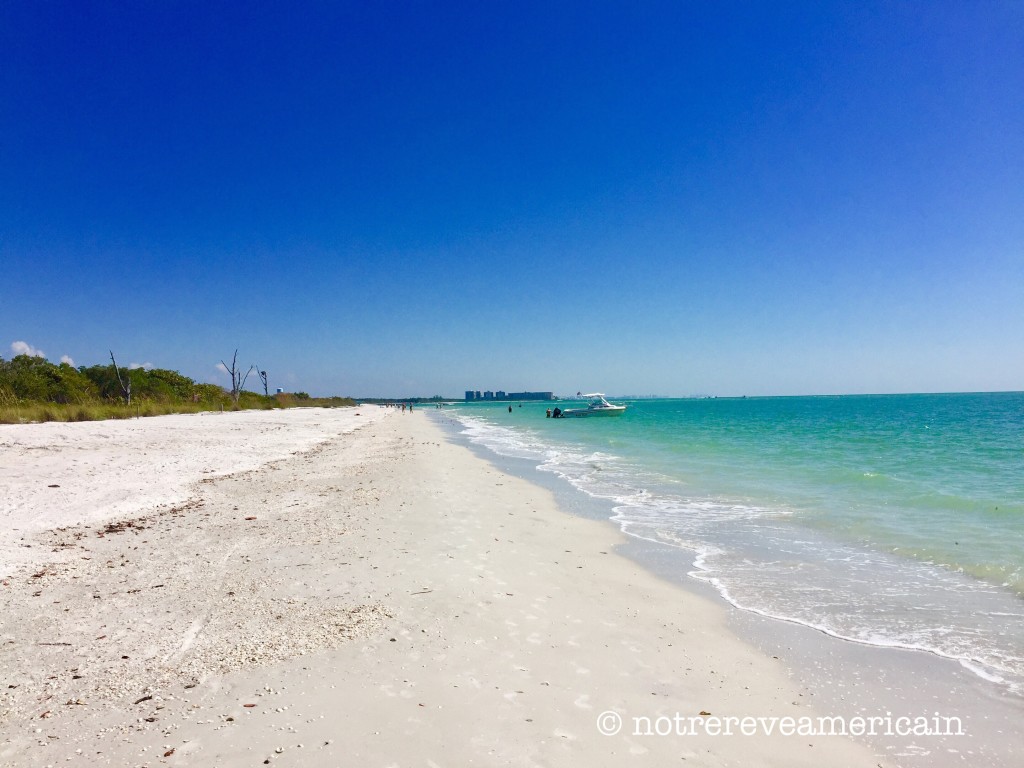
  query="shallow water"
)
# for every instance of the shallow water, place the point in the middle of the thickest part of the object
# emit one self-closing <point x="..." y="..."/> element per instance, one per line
<point x="890" y="520"/>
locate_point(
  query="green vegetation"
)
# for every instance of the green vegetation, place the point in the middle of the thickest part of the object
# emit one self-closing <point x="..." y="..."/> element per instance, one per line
<point x="34" y="389"/>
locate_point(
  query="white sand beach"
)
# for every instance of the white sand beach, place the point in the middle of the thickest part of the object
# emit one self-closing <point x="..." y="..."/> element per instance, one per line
<point x="57" y="473"/>
<point x="348" y="587"/>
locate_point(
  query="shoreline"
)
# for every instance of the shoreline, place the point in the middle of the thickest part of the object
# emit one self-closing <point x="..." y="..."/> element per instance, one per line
<point x="383" y="595"/>
<point x="907" y="680"/>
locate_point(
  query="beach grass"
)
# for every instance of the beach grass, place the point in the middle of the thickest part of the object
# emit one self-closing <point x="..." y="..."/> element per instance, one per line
<point x="24" y="413"/>
<point x="35" y="412"/>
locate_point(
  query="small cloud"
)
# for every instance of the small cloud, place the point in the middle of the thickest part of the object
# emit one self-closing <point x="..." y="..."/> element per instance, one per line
<point x="67" y="359"/>
<point x="222" y="368"/>
<point x="24" y="348"/>
<point x="146" y="366"/>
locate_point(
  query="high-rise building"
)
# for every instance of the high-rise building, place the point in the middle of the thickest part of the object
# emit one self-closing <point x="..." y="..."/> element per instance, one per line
<point x="472" y="395"/>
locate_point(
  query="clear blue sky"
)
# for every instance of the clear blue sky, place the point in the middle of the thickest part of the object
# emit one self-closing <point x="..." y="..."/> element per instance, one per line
<point x="418" y="198"/>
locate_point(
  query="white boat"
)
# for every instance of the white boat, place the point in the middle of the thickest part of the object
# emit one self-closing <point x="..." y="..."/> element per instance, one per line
<point x="597" y="406"/>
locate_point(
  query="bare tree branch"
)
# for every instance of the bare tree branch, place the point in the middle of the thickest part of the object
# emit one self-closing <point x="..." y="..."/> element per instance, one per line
<point x="237" y="380"/>
<point x="127" y="390"/>
<point x="263" y="378"/>
<point x="241" y="386"/>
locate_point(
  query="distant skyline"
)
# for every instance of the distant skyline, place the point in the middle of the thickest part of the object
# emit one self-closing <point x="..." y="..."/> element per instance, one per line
<point x="402" y="199"/>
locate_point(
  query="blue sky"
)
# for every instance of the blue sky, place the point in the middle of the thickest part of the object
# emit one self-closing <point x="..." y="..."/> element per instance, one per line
<point x="421" y="198"/>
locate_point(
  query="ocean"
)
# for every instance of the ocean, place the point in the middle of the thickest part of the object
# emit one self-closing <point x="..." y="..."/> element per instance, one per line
<point x="891" y="520"/>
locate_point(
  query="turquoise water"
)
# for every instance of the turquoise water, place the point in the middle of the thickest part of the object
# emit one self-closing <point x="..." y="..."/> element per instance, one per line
<point x="890" y="520"/>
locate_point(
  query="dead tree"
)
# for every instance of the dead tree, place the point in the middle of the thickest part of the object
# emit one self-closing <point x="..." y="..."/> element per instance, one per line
<point x="237" y="379"/>
<point x="126" y="389"/>
<point x="263" y="378"/>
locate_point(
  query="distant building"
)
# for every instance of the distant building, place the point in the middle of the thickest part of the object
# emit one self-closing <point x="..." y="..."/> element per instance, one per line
<point x="531" y="395"/>
<point x="474" y="395"/>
